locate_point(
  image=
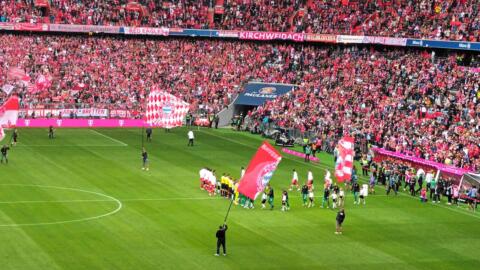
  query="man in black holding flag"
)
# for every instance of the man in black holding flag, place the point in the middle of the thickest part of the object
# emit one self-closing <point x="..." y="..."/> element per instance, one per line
<point x="221" y="239"/>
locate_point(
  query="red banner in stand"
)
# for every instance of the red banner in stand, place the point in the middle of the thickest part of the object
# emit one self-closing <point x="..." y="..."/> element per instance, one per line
<point x="259" y="171"/>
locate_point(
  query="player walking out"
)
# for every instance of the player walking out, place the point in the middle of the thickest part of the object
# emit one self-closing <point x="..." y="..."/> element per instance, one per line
<point x="326" y="197"/>
<point x="221" y="239"/>
<point x="304" y="195"/>
<point x="270" y="197"/>
<point x="356" y="191"/>
<point x="310" y="179"/>
<point x="311" y="197"/>
<point x="285" y="204"/>
<point x="145" y="159"/>
<point x="4" y="152"/>
<point x="191" y="137"/>
<point x="334" y="199"/>
<point x="264" y="199"/>
<point x="341" y="197"/>
<point x="295" y="181"/>
<point x="363" y="194"/>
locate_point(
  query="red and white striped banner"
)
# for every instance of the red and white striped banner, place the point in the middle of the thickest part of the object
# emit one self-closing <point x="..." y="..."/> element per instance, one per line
<point x="344" y="164"/>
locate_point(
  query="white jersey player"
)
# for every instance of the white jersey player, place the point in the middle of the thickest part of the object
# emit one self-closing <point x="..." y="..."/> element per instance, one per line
<point x="295" y="181"/>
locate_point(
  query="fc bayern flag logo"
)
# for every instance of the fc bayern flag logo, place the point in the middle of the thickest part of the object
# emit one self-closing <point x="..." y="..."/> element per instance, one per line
<point x="165" y="110"/>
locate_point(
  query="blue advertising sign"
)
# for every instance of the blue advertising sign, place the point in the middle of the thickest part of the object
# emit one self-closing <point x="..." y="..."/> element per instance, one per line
<point x="255" y="94"/>
<point x="455" y="45"/>
<point x="192" y="32"/>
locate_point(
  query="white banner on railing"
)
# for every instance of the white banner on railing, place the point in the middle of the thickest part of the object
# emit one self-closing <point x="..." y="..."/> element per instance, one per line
<point x="89" y="112"/>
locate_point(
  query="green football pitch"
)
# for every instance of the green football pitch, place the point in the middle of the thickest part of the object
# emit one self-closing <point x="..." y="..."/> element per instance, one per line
<point x="81" y="201"/>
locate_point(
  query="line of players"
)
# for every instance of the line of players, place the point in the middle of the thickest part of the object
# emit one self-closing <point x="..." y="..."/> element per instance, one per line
<point x="330" y="190"/>
<point x="227" y="187"/>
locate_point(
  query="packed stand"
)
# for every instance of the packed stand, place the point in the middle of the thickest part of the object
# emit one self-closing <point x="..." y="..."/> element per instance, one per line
<point x="435" y="19"/>
<point x="431" y="19"/>
<point x="182" y="13"/>
<point x="117" y="73"/>
<point x="408" y="102"/>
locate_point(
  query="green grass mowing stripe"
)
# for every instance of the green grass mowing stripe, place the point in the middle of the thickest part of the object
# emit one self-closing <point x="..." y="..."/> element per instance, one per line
<point x="178" y="234"/>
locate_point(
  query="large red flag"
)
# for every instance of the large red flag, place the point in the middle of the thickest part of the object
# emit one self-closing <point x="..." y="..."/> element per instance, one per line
<point x="259" y="171"/>
<point x="9" y="112"/>
<point x="344" y="164"/>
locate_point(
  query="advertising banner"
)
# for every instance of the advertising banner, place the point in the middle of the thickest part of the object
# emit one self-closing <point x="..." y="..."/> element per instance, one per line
<point x="227" y="34"/>
<point x="321" y="38"/>
<point x="386" y="41"/>
<point x="80" y="123"/>
<point x="74" y="28"/>
<point x="35" y="27"/>
<point x="89" y="112"/>
<point x="255" y="94"/>
<point x="151" y="31"/>
<point x="7" y="26"/>
<point x="253" y="35"/>
<point x="419" y="161"/>
<point x="350" y="39"/>
<point x="456" y="45"/>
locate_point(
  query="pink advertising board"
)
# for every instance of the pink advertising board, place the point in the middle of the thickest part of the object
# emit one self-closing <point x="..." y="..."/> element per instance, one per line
<point x="80" y="123"/>
<point x="298" y="154"/>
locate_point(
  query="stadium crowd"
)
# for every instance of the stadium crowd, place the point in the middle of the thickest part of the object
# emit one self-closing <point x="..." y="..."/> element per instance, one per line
<point x="437" y="19"/>
<point x="116" y="73"/>
<point x="403" y="101"/>
<point x="408" y="101"/>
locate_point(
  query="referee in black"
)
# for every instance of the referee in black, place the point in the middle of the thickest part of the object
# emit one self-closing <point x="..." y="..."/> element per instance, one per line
<point x="221" y="239"/>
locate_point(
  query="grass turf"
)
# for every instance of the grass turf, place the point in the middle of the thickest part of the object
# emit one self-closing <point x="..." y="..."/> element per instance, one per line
<point x="167" y="222"/>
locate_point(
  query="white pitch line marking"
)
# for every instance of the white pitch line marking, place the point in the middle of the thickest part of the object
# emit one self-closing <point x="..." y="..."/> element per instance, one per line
<point x="104" y="200"/>
<point x="110" y="199"/>
<point x="108" y="137"/>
